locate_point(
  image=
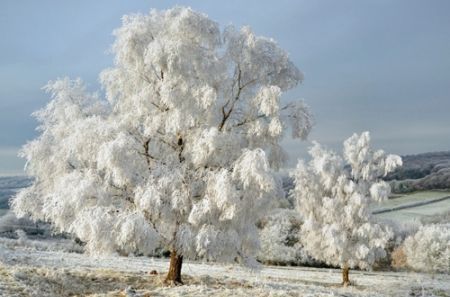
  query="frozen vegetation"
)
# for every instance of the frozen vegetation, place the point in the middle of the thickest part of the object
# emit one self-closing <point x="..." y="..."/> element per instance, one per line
<point x="334" y="193"/>
<point x="429" y="249"/>
<point x="280" y="239"/>
<point x="181" y="158"/>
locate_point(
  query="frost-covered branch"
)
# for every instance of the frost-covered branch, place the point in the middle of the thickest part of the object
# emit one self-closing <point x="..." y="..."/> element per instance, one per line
<point x="226" y="114"/>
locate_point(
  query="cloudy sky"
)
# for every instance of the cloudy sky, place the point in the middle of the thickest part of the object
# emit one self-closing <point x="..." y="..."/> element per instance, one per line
<point x="376" y="65"/>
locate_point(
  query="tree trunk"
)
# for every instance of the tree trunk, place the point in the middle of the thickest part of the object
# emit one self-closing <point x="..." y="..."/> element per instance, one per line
<point x="174" y="275"/>
<point x="345" y="278"/>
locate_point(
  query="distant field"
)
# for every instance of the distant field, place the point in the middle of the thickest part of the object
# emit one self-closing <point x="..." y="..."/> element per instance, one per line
<point x="415" y="197"/>
<point x="3" y="211"/>
<point x="5" y="196"/>
<point x="9" y="185"/>
<point x="417" y="212"/>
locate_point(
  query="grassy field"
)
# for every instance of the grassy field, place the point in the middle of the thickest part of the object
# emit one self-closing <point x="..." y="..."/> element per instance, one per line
<point x="415" y="197"/>
<point x="415" y="213"/>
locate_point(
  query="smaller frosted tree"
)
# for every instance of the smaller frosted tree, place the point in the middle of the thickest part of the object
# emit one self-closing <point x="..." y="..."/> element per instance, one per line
<point x="333" y="194"/>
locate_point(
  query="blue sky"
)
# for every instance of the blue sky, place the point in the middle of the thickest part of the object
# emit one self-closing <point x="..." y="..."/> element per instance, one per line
<point x="377" y="65"/>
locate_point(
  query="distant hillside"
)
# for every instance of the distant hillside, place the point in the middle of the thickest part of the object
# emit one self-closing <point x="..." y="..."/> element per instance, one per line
<point x="428" y="171"/>
<point x="9" y="185"/>
<point x="422" y="172"/>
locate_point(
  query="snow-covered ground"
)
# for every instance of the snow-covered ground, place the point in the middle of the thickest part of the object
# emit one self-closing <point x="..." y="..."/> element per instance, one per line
<point x="27" y="269"/>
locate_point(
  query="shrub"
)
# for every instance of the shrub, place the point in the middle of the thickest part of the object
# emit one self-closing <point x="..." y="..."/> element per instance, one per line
<point x="280" y="242"/>
<point x="429" y="249"/>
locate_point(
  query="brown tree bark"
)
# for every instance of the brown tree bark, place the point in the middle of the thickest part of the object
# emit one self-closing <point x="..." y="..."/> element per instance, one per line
<point x="174" y="275"/>
<point x="345" y="278"/>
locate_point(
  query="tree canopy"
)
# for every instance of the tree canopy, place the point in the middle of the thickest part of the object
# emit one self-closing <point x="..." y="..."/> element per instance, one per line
<point x="179" y="151"/>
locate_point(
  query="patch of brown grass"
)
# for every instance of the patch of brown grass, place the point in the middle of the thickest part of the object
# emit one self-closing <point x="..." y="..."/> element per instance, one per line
<point x="398" y="257"/>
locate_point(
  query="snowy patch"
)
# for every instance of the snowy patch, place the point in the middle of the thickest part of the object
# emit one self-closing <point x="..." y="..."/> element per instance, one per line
<point x="30" y="272"/>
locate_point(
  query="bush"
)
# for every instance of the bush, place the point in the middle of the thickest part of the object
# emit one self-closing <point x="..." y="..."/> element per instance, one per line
<point x="398" y="258"/>
<point x="429" y="249"/>
<point x="280" y="242"/>
<point x="401" y="230"/>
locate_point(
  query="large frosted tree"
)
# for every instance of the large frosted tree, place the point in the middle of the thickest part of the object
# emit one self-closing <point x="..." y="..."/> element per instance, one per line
<point x="179" y="154"/>
<point x="333" y="193"/>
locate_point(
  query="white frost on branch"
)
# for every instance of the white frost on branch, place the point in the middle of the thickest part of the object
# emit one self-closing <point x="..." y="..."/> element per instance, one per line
<point x="181" y="151"/>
